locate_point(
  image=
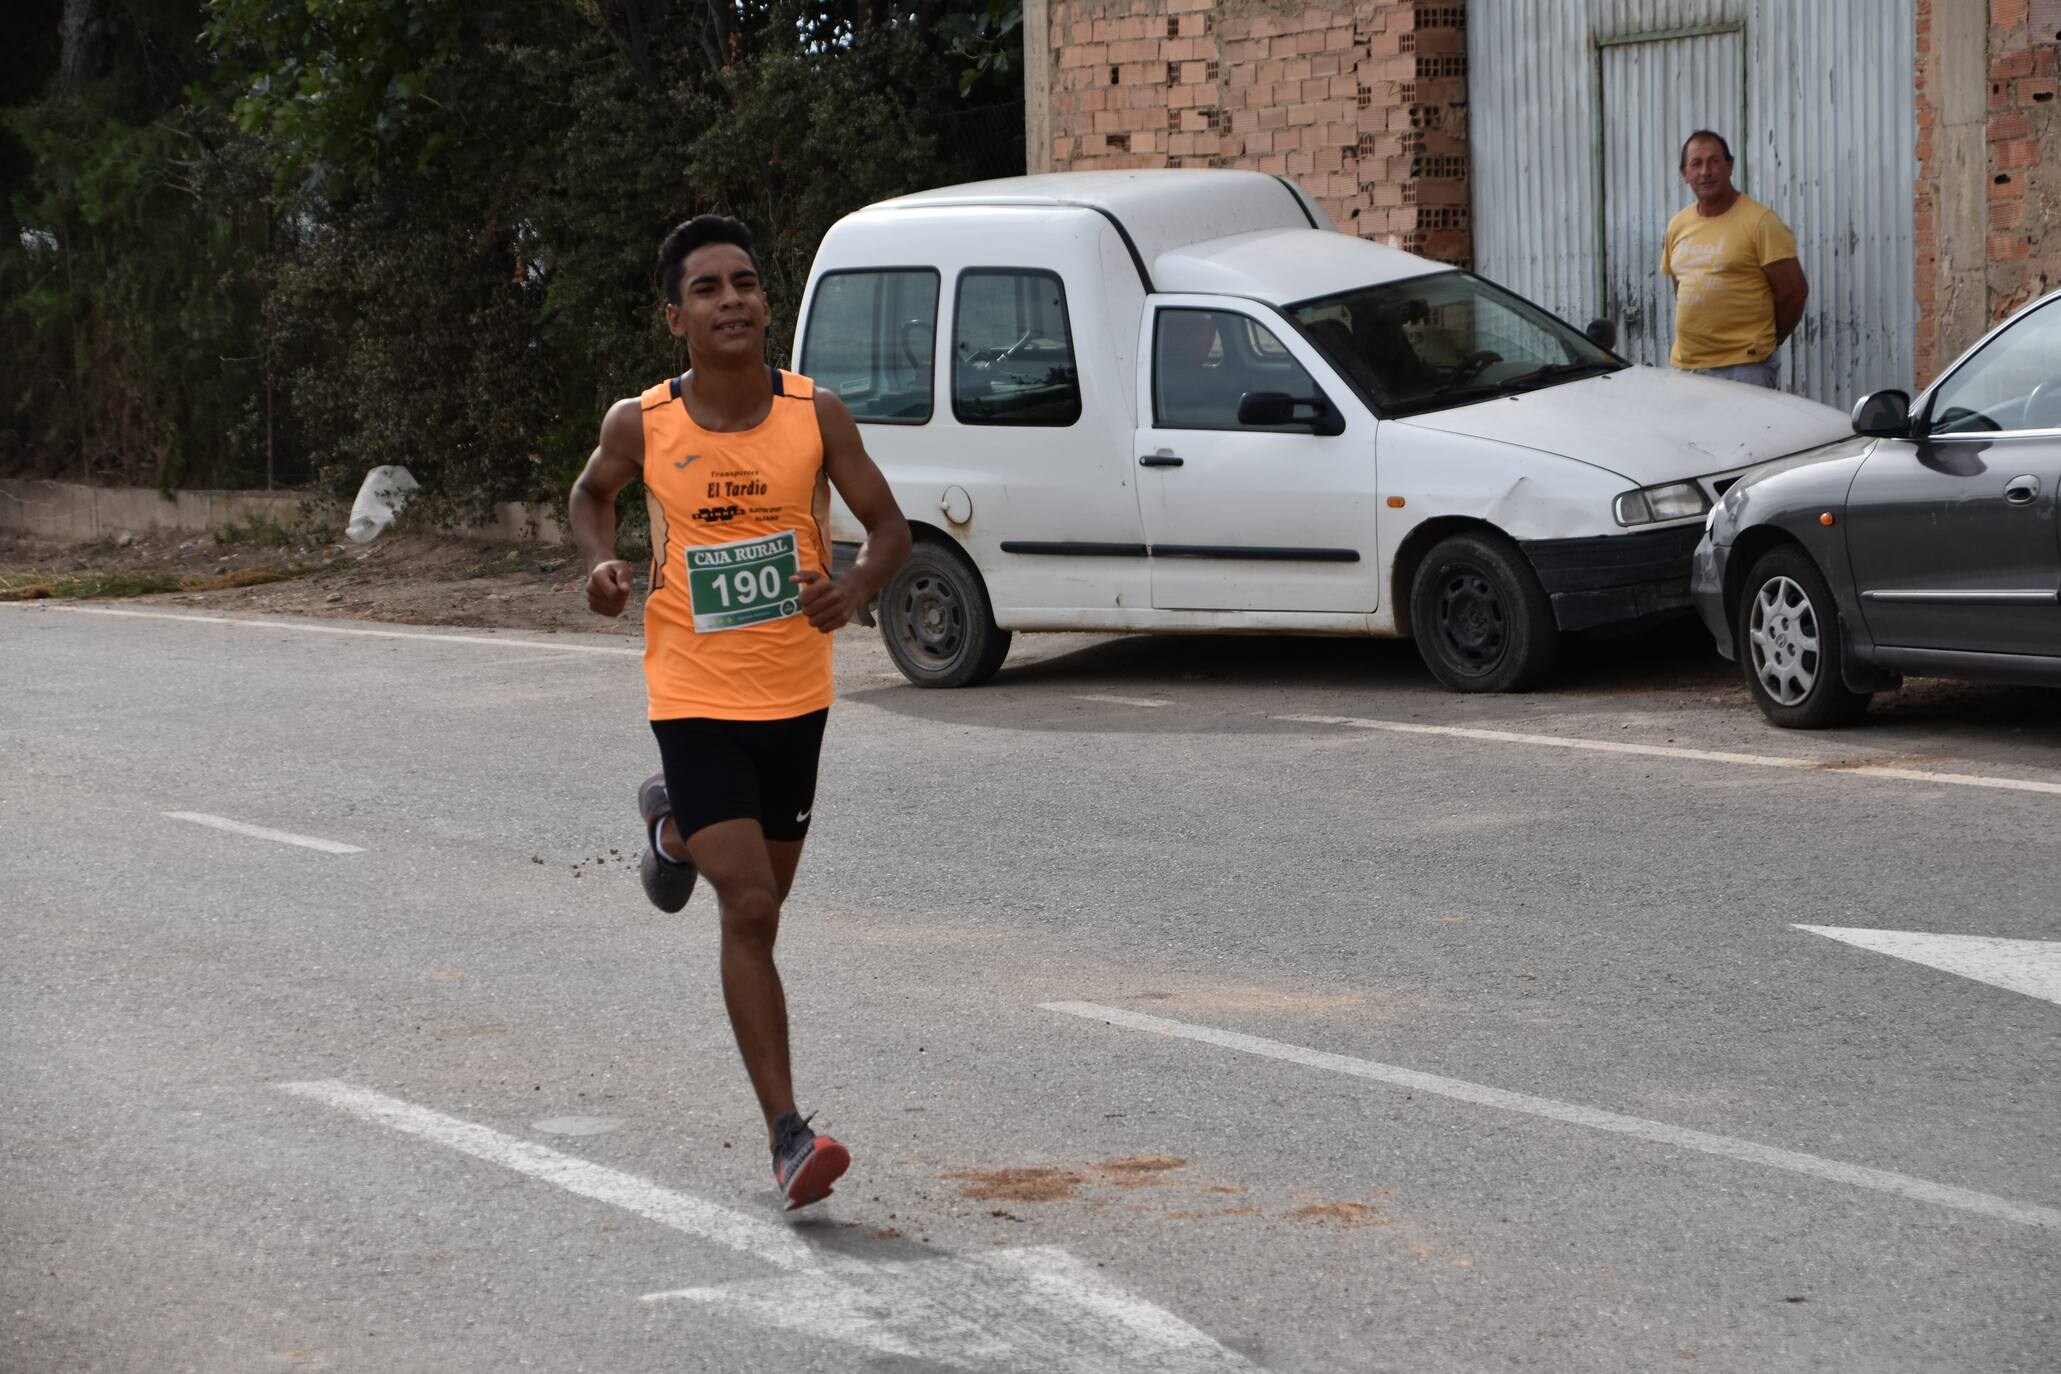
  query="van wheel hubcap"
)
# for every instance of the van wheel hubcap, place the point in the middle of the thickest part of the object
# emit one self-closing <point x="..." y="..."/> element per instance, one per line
<point x="933" y="618"/>
<point x="1471" y="619"/>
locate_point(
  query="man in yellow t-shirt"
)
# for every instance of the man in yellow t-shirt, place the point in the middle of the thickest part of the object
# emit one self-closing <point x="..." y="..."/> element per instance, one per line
<point x="1739" y="289"/>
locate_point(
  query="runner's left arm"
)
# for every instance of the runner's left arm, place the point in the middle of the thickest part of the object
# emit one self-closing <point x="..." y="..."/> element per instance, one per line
<point x="830" y="602"/>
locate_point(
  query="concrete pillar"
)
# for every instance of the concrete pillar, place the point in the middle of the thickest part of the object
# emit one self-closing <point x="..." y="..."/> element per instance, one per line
<point x="1958" y="84"/>
<point x="1037" y="85"/>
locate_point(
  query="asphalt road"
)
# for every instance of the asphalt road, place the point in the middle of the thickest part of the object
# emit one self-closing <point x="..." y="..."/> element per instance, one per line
<point x="1188" y="1004"/>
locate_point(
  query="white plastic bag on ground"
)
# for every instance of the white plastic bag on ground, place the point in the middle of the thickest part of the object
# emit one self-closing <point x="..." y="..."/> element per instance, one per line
<point x="380" y="499"/>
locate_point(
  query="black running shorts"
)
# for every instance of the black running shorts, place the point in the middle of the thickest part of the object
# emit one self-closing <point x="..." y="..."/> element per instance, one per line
<point x="731" y="770"/>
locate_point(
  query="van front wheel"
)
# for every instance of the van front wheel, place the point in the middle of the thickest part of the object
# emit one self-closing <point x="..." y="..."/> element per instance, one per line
<point x="1481" y="620"/>
<point x="936" y="620"/>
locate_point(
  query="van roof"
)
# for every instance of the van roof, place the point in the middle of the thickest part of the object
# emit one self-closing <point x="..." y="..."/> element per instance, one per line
<point x="1283" y="266"/>
<point x="1220" y="231"/>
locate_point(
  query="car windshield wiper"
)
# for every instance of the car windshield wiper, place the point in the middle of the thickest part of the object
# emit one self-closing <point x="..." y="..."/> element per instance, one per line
<point x="1455" y="393"/>
<point x="1559" y="372"/>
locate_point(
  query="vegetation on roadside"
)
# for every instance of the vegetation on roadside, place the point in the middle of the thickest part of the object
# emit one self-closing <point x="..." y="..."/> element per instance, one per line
<point x="116" y="583"/>
<point x="259" y="243"/>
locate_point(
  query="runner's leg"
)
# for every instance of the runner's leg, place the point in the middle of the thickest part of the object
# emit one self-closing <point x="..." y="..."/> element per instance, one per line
<point x="735" y="859"/>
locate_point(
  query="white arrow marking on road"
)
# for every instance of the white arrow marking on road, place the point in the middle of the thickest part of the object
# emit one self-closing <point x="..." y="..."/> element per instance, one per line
<point x="1031" y="1310"/>
<point x="2032" y="967"/>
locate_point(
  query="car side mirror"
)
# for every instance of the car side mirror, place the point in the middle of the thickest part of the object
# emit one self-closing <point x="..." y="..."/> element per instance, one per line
<point x="1883" y="415"/>
<point x="1602" y="333"/>
<point x="1271" y="408"/>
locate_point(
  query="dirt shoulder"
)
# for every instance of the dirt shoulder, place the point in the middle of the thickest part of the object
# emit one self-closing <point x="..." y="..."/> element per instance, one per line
<point x="407" y="580"/>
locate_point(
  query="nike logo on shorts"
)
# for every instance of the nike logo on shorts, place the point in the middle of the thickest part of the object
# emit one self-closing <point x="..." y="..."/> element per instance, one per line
<point x="801" y="817"/>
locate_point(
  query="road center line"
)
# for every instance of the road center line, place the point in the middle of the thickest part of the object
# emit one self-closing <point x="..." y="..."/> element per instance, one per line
<point x="258" y="832"/>
<point x="349" y="630"/>
<point x="1660" y="1133"/>
<point x="1669" y="751"/>
<point x="1121" y="701"/>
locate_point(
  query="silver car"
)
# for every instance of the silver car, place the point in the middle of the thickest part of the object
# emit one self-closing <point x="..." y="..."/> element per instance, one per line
<point x="1929" y="543"/>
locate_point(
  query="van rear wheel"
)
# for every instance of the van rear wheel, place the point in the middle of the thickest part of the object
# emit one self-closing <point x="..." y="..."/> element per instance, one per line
<point x="1481" y="620"/>
<point x="937" y="622"/>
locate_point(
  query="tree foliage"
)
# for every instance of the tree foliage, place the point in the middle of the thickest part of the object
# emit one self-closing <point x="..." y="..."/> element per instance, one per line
<point x="306" y="237"/>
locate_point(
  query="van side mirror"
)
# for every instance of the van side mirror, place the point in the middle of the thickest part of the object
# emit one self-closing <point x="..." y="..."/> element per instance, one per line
<point x="1602" y="333"/>
<point x="1273" y="408"/>
<point x="1883" y="415"/>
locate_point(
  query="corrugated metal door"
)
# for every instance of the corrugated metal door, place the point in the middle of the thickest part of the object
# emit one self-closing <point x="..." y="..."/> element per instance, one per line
<point x="1653" y="87"/>
<point x="1826" y="138"/>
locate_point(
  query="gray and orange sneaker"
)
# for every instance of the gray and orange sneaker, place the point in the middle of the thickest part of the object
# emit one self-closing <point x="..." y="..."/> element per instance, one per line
<point x="805" y="1164"/>
<point x="667" y="882"/>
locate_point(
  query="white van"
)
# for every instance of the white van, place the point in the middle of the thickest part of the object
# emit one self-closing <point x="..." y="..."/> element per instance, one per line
<point x="1182" y="401"/>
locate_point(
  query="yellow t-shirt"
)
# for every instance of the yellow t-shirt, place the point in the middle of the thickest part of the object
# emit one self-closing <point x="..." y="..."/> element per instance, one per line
<point x="1724" y="309"/>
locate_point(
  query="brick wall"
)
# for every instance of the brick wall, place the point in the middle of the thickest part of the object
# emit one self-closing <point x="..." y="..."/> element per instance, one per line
<point x="1364" y="106"/>
<point x="2024" y="248"/>
<point x="2018" y="217"/>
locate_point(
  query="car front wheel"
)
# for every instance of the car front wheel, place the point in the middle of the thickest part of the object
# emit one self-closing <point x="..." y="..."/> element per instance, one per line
<point x="1788" y="637"/>
<point x="1480" y="618"/>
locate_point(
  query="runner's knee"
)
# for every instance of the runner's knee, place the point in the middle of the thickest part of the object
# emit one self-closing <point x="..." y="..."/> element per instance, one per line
<point x="751" y="914"/>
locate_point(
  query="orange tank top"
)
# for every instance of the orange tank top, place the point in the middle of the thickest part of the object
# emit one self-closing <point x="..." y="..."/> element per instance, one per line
<point x="733" y="516"/>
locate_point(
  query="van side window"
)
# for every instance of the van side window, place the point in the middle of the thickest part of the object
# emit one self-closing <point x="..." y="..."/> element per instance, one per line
<point x="1012" y="351"/>
<point x="872" y="337"/>
<point x="1205" y="361"/>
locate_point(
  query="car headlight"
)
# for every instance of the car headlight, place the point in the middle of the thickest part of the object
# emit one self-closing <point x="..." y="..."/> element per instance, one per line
<point x="1668" y="501"/>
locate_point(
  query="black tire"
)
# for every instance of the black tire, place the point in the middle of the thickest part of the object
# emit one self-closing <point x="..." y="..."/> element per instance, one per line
<point x="937" y="622"/>
<point x="1481" y="620"/>
<point x="1786" y="627"/>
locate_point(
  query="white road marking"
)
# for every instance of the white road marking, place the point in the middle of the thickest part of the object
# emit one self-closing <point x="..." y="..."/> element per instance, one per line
<point x="258" y="832"/>
<point x="1121" y="701"/>
<point x="762" y="1240"/>
<point x="2032" y="967"/>
<point x="1035" y="1311"/>
<point x="350" y="630"/>
<point x="1669" y="751"/>
<point x="1660" y="1133"/>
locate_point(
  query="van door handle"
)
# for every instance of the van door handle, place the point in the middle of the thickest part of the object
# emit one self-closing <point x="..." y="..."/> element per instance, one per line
<point x="1159" y="460"/>
<point x="2023" y="491"/>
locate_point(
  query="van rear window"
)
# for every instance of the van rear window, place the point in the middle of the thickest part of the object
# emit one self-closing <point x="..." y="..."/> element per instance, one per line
<point x="871" y="340"/>
<point x="1012" y="350"/>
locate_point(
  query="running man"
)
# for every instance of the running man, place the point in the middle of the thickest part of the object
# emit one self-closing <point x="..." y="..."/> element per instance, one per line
<point x="737" y="460"/>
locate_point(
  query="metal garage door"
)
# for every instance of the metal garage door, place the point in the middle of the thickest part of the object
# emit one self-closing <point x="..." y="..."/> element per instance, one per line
<point x="1578" y="111"/>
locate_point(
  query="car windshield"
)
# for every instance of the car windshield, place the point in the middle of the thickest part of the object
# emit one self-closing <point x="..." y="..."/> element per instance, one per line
<point x="1445" y="340"/>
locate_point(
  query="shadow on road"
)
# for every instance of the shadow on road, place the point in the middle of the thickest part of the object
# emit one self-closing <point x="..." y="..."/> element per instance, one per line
<point x="1669" y="665"/>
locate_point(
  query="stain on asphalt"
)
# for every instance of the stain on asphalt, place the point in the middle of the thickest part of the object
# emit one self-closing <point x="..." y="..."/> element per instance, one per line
<point x="1341" y="1214"/>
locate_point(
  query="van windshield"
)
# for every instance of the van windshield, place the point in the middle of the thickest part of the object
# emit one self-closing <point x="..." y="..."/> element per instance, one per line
<point x="1446" y="339"/>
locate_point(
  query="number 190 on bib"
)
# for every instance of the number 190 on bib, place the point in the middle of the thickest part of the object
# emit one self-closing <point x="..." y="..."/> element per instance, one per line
<point x="746" y="583"/>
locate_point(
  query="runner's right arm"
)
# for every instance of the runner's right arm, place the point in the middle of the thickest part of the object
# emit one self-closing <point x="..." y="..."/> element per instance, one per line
<point x="617" y="461"/>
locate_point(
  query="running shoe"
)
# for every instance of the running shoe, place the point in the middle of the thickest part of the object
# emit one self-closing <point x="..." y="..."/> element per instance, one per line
<point x="805" y="1164"/>
<point x="667" y="882"/>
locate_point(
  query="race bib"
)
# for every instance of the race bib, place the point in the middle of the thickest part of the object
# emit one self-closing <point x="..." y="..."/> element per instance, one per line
<point x="750" y="582"/>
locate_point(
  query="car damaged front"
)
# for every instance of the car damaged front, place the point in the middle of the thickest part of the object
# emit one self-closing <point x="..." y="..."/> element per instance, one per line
<point x="1801" y="500"/>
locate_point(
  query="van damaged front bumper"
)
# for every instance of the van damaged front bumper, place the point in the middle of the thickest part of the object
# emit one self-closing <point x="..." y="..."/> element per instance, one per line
<point x="1614" y="578"/>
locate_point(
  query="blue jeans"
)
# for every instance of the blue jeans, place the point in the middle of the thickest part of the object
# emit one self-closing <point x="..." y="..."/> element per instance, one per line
<point x="1753" y="374"/>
